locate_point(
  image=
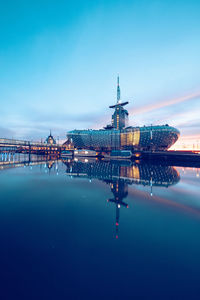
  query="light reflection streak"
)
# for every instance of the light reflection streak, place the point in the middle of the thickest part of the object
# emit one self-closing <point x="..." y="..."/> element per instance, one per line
<point x="143" y="196"/>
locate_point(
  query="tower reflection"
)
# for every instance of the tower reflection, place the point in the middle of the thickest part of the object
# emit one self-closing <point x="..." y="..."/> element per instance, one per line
<point x="119" y="189"/>
<point x="121" y="174"/>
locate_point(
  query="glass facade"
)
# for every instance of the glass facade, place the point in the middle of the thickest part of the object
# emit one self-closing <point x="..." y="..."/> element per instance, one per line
<point x="119" y="117"/>
<point x="131" y="138"/>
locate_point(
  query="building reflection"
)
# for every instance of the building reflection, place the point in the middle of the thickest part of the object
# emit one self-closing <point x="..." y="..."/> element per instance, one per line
<point x="16" y="160"/>
<point x="118" y="175"/>
<point x="119" y="189"/>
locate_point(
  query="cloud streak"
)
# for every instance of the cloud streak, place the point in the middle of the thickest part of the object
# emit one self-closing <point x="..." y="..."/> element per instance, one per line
<point x="153" y="108"/>
<point x="161" y="104"/>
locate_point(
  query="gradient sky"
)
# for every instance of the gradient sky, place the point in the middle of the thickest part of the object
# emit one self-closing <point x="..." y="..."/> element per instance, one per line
<point x="59" y="62"/>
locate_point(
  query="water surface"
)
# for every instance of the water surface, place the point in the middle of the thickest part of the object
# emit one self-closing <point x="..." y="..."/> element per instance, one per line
<point x="88" y="230"/>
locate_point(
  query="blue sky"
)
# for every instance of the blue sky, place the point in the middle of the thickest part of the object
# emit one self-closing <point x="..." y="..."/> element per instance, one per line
<point x="59" y="62"/>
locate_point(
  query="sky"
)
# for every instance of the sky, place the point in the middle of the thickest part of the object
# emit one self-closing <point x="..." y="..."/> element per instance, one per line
<point x="59" y="62"/>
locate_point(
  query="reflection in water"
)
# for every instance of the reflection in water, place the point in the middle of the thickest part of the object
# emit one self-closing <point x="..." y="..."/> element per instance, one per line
<point x="144" y="173"/>
<point x="120" y="191"/>
<point x="16" y="160"/>
<point x="64" y="226"/>
<point x="118" y="175"/>
<point x="121" y="174"/>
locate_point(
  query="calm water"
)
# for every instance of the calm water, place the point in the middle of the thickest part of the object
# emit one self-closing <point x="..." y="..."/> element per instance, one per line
<point x="98" y="230"/>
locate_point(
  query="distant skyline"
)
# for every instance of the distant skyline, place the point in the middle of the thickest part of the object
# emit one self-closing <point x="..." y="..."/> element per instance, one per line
<point x="59" y="62"/>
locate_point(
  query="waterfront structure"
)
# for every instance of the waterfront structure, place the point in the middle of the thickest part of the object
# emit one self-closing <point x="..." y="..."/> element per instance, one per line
<point x="30" y="147"/>
<point x="50" y="139"/>
<point x="118" y="136"/>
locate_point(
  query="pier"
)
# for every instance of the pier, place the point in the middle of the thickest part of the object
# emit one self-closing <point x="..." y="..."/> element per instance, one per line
<point x="29" y="147"/>
<point x="11" y="146"/>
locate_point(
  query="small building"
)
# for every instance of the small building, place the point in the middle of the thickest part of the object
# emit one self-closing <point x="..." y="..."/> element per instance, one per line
<point x="50" y="139"/>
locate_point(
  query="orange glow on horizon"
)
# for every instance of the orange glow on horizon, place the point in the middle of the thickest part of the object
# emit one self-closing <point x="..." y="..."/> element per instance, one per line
<point x="187" y="142"/>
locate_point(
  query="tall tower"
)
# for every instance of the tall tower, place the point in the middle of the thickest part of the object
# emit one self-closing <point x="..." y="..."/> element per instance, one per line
<point x="120" y="115"/>
<point x="118" y="90"/>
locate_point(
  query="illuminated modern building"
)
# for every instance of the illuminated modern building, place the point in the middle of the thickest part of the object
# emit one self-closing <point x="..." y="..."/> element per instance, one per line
<point x="119" y="136"/>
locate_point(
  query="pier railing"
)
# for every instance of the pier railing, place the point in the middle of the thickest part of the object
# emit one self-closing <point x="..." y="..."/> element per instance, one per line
<point x="13" y="142"/>
<point x="20" y="146"/>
